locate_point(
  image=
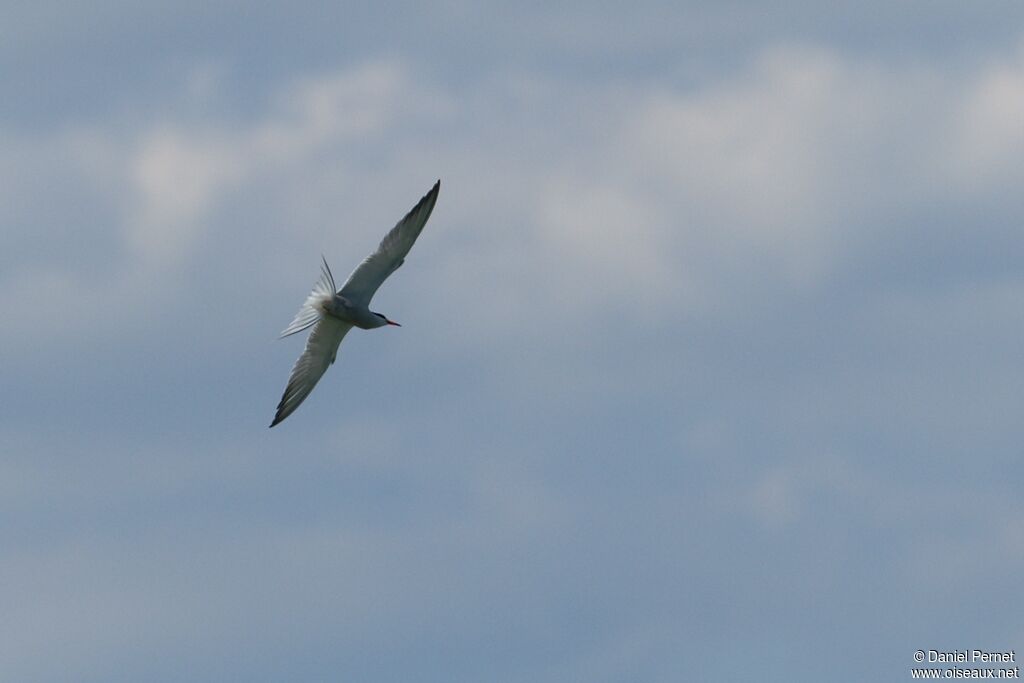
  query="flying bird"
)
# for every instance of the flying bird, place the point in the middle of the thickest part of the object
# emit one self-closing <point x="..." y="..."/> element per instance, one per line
<point x="332" y="312"/>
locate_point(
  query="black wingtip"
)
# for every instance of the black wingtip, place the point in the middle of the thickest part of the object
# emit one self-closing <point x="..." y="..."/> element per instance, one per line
<point x="426" y="202"/>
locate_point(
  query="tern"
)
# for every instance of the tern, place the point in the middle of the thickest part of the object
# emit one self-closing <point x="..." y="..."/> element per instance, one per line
<point x="332" y="312"/>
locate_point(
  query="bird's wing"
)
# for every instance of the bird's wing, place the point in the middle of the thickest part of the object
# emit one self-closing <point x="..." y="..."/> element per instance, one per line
<point x="321" y="350"/>
<point x="362" y="284"/>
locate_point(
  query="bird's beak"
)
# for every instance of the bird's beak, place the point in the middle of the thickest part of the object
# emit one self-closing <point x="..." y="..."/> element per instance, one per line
<point x="392" y="322"/>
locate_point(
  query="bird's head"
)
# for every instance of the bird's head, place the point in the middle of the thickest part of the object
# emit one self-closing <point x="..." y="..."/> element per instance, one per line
<point x="384" y="321"/>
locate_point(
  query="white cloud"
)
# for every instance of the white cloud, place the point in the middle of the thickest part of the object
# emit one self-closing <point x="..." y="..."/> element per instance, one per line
<point x="612" y="244"/>
<point x="181" y="170"/>
<point x="767" y="172"/>
<point x="784" y="494"/>
<point x="634" y="203"/>
<point x="169" y="181"/>
<point x="323" y="110"/>
<point x="178" y="176"/>
<point x="987" y="145"/>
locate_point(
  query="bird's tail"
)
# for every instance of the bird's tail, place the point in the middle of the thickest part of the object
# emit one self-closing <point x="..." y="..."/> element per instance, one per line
<point x="312" y="309"/>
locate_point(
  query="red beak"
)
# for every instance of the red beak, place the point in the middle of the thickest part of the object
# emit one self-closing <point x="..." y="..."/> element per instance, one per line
<point x="392" y="322"/>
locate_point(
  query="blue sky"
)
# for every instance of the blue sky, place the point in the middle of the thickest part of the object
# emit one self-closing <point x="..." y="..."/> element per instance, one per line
<point x="710" y="360"/>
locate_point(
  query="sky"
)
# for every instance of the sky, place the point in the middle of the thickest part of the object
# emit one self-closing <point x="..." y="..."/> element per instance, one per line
<point x="710" y="365"/>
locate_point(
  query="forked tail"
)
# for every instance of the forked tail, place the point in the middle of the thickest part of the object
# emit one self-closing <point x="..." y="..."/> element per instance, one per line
<point x="312" y="309"/>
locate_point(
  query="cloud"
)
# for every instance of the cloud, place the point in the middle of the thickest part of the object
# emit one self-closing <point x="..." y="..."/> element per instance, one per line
<point x="181" y="170"/>
<point x="651" y="197"/>
<point x="782" y="496"/>
<point x="590" y="207"/>
<point x="166" y="187"/>
<point x="987" y="144"/>
<point x="178" y="176"/>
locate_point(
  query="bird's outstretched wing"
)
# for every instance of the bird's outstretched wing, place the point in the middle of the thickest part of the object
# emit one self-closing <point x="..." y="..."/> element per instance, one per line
<point x="362" y="284"/>
<point x="321" y="350"/>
